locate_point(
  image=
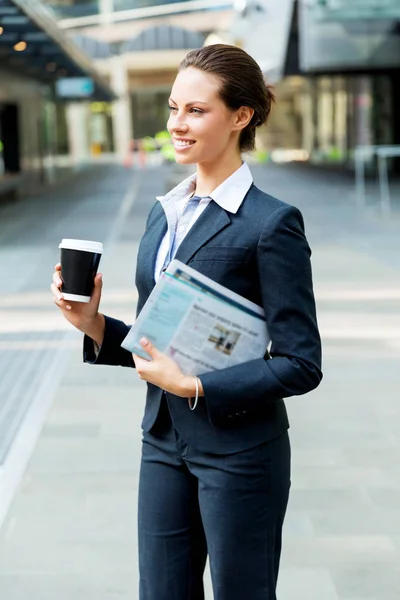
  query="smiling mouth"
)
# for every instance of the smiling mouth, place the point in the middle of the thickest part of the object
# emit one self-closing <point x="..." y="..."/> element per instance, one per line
<point x="183" y="144"/>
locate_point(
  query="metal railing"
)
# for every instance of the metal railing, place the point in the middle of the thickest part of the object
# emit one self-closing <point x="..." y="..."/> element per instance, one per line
<point x="110" y="13"/>
<point x="361" y="155"/>
<point x="130" y="4"/>
<point x="343" y="10"/>
<point x="73" y="11"/>
<point x="94" y="7"/>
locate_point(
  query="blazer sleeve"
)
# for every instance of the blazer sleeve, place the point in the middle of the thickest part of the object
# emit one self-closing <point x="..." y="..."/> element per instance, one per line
<point x="284" y="270"/>
<point x="111" y="352"/>
<point x="115" y="331"/>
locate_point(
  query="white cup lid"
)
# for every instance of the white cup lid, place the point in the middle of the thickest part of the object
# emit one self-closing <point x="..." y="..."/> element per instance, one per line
<point x="85" y="245"/>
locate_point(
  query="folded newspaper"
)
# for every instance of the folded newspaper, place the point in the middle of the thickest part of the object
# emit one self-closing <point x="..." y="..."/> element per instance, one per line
<point x="199" y="323"/>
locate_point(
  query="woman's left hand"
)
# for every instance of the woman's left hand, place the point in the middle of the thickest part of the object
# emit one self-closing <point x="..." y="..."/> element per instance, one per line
<point x="163" y="372"/>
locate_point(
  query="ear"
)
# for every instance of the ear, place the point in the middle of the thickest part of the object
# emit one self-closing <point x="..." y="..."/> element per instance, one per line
<point x="242" y="118"/>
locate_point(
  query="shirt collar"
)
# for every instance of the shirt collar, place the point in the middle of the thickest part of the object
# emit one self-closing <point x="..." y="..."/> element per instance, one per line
<point x="229" y="195"/>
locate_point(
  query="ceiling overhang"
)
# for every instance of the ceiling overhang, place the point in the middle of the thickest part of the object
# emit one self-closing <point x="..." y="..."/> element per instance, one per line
<point x="49" y="53"/>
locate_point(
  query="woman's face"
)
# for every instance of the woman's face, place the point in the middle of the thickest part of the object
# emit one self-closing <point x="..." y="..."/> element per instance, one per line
<point x="202" y="127"/>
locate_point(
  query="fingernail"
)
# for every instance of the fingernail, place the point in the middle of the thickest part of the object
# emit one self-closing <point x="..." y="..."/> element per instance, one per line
<point x="60" y="296"/>
<point x="144" y="341"/>
<point x="68" y="307"/>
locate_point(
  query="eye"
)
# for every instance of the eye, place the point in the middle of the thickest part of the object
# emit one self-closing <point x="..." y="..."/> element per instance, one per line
<point x="196" y="111"/>
<point x="172" y="107"/>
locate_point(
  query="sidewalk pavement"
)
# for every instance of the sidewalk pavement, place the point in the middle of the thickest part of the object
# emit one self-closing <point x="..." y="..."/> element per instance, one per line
<point x="70" y="531"/>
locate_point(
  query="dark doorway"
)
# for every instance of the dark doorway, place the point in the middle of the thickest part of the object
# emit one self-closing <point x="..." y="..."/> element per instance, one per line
<point x="9" y="135"/>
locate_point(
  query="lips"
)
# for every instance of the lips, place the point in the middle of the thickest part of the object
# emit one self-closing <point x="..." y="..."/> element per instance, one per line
<point x="183" y="143"/>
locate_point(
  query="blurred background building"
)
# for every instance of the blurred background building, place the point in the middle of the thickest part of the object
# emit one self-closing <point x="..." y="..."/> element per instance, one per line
<point x="138" y="45"/>
<point x="40" y="66"/>
<point x="82" y="79"/>
<point x="339" y="76"/>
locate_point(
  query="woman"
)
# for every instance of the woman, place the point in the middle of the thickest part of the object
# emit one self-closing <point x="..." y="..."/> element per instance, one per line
<point x="215" y="479"/>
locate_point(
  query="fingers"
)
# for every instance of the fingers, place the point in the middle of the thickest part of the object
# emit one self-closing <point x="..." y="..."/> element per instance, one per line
<point x="140" y="366"/>
<point x="56" y="292"/>
<point x="98" y="284"/>
<point x="58" y="297"/>
<point x="149" y="348"/>
<point x="55" y="288"/>
<point x="57" y="279"/>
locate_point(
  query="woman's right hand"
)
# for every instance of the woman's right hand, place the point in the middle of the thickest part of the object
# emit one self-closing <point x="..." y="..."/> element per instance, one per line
<point x="81" y="315"/>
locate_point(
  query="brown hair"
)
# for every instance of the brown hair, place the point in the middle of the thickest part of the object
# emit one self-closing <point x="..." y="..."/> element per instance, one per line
<point x="242" y="83"/>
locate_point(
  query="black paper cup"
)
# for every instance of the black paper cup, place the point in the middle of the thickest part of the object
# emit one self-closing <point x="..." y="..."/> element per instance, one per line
<point x="80" y="260"/>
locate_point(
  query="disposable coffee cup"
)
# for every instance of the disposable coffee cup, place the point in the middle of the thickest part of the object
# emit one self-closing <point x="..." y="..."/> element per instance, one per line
<point x="80" y="260"/>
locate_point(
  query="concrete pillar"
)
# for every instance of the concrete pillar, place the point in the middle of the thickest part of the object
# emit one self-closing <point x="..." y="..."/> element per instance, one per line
<point x="362" y="111"/>
<point x="122" y="110"/>
<point x="78" y="121"/>
<point x="106" y="10"/>
<point x="307" y="120"/>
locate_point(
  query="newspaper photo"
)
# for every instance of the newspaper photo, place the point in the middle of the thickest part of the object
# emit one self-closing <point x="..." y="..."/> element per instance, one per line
<point x="202" y="325"/>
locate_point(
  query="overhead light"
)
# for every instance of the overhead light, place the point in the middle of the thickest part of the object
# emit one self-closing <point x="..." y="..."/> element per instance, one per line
<point x="1" y="30"/>
<point x="20" y="46"/>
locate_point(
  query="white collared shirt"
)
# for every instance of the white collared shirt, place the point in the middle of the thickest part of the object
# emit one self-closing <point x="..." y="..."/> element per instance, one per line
<point x="229" y="195"/>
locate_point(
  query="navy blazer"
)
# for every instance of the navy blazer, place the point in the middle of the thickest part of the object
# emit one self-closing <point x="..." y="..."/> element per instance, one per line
<point x="261" y="253"/>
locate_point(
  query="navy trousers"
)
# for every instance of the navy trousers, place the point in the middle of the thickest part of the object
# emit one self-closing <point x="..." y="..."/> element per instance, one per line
<point x="230" y="507"/>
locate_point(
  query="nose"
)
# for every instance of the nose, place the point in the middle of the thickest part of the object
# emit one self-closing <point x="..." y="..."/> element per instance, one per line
<point x="177" y="122"/>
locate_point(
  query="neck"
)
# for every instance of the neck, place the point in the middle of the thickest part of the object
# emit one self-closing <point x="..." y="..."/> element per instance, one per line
<point x="210" y="176"/>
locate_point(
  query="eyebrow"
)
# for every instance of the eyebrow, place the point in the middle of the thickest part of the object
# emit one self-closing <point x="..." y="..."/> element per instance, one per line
<point x="190" y="103"/>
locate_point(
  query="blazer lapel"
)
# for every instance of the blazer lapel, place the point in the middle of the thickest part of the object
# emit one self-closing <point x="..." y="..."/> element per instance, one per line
<point x="150" y="244"/>
<point x="211" y="221"/>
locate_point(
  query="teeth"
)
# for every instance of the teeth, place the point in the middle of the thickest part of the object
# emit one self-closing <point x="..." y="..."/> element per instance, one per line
<point x="183" y="144"/>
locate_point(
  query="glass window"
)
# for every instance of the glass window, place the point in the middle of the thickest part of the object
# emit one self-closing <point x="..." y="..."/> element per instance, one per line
<point x="348" y="34"/>
<point x="70" y="9"/>
<point x="150" y="112"/>
<point x="131" y="4"/>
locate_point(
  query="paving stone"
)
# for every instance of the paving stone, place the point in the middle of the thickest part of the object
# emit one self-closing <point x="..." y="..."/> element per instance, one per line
<point x="307" y="584"/>
<point x="368" y="581"/>
<point x="298" y="523"/>
<point x="110" y="453"/>
<point x="385" y="497"/>
<point x="330" y="499"/>
<point x="340" y="550"/>
<point x="48" y="586"/>
<point x="82" y="430"/>
<point x="361" y="522"/>
<point x="340" y="477"/>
